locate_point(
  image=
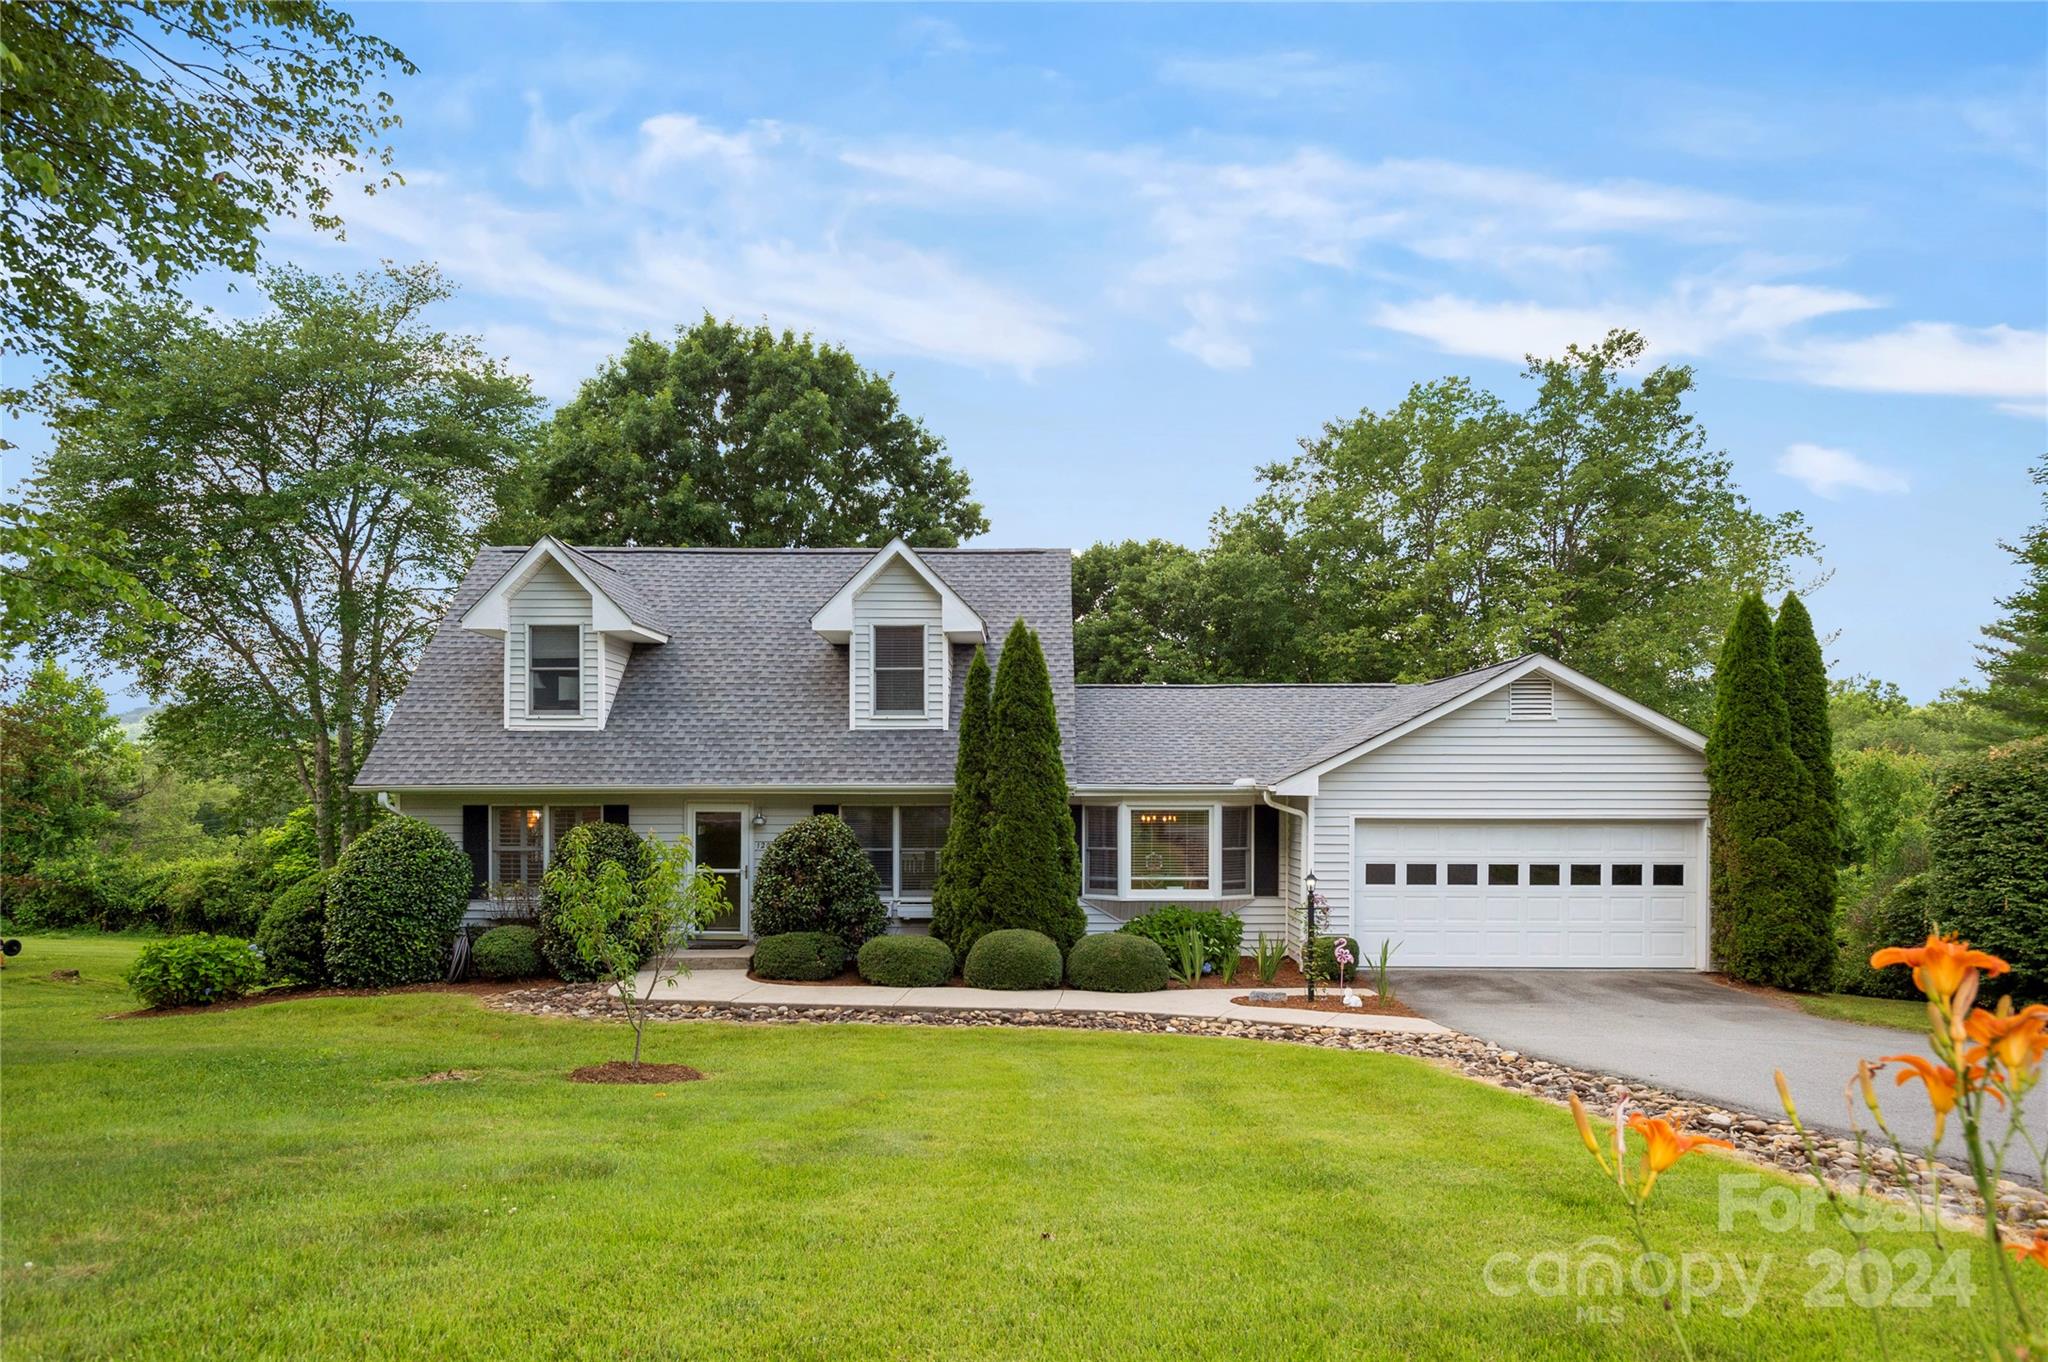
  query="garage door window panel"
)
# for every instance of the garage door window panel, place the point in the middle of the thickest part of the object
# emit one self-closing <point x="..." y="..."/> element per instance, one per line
<point x="1543" y="876"/>
<point x="1667" y="875"/>
<point x="1503" y="875"/>
<point x="1585" y="876"/>
<point x="1420" y="872"/>
<point x="1379" y="872"/>
<point x="1626" y="875"/>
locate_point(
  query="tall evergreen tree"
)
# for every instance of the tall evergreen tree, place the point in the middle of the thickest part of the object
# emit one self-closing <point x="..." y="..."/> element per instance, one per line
<point x="1757" y="795"/>
<point x="957" y="916"/>
<point x="1033" y="875"/>
<point x="2015" y="661"/>
<point x="1816" y="838"/>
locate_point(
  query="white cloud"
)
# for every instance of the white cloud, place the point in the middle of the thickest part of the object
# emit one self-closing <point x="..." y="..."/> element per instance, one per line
<point x="1932" y="357"/>
<point x="946" y="175"/>
<point x="1213" y="335"/>
<point x="1273" y="75"/>
<point x="666" y="139"/>
<point x="1828" y="472"/>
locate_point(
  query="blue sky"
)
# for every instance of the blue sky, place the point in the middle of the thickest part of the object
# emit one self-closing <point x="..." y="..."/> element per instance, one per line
<point x="1118" y="257"/>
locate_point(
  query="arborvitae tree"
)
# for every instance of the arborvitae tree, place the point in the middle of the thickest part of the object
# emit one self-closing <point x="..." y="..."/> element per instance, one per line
<point x="1818" y="841"/>
<point x="957" y="915"/>
<point x="1032" y="877"/>
<point x="1757" y="795"/>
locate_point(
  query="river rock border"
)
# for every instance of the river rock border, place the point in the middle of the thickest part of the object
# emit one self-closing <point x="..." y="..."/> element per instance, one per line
<point x="1759" y="1138"/>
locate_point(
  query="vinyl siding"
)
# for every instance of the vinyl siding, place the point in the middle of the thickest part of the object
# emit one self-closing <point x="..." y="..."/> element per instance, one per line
<point x="550" y="596"/>
<point x="1589" y="763"/>
<point x="898" y="595"/>
<point x="617" y="652"/>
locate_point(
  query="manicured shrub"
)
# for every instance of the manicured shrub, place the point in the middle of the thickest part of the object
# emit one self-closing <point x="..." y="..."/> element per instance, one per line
<point x="187" y="970"/>
<point x="1117" y="962"/>
<point x="394" y="905"/>
<point x="1815" y="836"/>
<point x="1014" y="958"/>
<point x="293" y="932"/>
<point x="608" y="842"/>
<point x="815" y="878"/>
<point x="957" y="916"/>
<point x="1896" y="917"/>
<point x="1990" y="875"/>
<point x="906" y="962"/>
<point x="209" y="894"/>
<point x="1326" y="957"/>
<point x="1033" y="876"/>
<point x="508" y="953"/>
<point x="1222" y="933"/>
<point x="803" y="956"/>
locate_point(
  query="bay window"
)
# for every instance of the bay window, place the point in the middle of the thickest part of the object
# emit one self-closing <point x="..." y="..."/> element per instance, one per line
<point x="1169" y="850"/>
<point x="1099" y="852"/>
<point x="1237" y="851"/>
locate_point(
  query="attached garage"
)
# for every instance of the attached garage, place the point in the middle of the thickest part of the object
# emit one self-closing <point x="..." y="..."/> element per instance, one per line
<point x="1560" y="895"/>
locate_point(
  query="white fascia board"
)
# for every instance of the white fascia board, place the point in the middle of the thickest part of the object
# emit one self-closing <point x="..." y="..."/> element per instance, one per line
<point x="492" y="614"/>
<point x="834" y="619"/>
<point x="1309" y="781"/>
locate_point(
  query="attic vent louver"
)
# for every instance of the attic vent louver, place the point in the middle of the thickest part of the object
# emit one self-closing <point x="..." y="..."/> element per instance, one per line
<point x="1532" y="698"/>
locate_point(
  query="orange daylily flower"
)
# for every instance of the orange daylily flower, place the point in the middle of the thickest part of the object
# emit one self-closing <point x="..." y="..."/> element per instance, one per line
<point x="1667" y="1145"/>
<point x="1940" y="966"/>
<point x="2037" y="1251"/>
<point x="2016" y="1040"/>
<point x="1940" y="1081"/>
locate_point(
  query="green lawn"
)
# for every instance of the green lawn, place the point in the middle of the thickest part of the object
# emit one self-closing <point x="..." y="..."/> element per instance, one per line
<point x="1898" y="1013"/>
<point x="273" y="1181"/>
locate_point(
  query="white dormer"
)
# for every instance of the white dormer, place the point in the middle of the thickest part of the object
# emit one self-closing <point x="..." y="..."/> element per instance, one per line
<point x="898" y="620"/>
<point x="569" y="624"/>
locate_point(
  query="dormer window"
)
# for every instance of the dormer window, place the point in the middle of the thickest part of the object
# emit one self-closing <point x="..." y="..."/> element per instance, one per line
<point x="555" y="668"/>
<point x="899" y="669"/>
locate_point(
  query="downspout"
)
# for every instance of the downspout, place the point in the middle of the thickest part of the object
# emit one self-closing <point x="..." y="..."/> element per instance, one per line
<point x="1266" y="797"/>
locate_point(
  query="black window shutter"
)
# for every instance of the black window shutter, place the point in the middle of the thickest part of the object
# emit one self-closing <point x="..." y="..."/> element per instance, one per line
<point x="817" y="809"/>
<point x="1265" y="851"/>
<point x="476" y="842"/>
<point x="622" y="814"/>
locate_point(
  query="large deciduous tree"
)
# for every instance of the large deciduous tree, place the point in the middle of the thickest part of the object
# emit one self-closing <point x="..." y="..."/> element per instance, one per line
<point x="1757" y="794"/>
<point x="302" y="490"/>
<point x="738" y="437"/>
<point x="957" y="916"/>
<point x="65" y="770"/>
<point x="2015" y="661"/>
<point x="149" y="139"/>
<point x="1450" y="531"/>
<point x="1033" y="875"/>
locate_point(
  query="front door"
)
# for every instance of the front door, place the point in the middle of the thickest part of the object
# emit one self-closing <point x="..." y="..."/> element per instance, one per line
<point x="718" y="843"/>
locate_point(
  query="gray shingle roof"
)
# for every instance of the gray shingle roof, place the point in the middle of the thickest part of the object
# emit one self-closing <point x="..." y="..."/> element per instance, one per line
<point x="1212" y="735"/>
<point x="742" y="694"/>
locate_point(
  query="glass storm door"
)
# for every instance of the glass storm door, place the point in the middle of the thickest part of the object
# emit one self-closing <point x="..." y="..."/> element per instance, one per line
<point x="718" y="843"/>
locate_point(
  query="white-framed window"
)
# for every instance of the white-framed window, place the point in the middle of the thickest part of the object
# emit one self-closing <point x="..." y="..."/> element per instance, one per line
<point x="902" y="843"/>
<point x="1237" y="850"/>
<point x="524" y="839"/>
<point x="1170" y="850"/>
<point x="1098" y="853"/>
<point x="554" y="669"/>
<point x="899" y="669"/>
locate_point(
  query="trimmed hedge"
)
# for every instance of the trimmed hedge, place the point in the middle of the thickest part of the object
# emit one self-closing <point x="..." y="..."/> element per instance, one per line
<point x="293" y="933"/>
<point x="1117" y="962"/>
<point x="906" y="962"/>
<point x="510" y="952"/>
<point x="1897" y="917"/>
<point x="394" y="905"/>
<point x="1222" y="933"/>
<point x="1012" y="959"/>
<point x="1990" y="874"/>
<point x="613" y="842"/>
<point x="802" y="956"/>
<point x="814" y="877"/>
<point x="195" y="969"/>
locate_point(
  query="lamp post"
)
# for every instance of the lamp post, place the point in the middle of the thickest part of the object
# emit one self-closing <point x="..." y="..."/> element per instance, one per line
<point x="1308" y="932"/>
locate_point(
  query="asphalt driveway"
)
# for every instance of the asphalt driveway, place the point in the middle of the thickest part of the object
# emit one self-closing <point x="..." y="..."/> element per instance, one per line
<point x="1687" y="1034"/>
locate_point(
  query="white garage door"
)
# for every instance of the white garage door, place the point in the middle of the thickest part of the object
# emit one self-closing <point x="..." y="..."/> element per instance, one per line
<point x="1561" y="895"/>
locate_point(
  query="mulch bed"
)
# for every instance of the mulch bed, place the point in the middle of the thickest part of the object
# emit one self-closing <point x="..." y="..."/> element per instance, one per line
<point x="476" y="988"/>
<point x="623" y="1071"/>
<point x="1247" y="976"/>
<point x="1334" y="1002"/>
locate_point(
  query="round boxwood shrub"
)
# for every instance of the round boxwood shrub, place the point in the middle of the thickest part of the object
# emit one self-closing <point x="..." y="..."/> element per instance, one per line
<point x="906" y="962"/>
<point x="799" y="955"/>
<point x="815" y="878"/>
<point x="1014" y="958"/>
<point x="182" y="971"/>
<point x="394" y="905"/>
<point x="607" y="842"/>
<point x="508" y="953"/>
<point x="1117" y="962"/>
<point x="293" y="932"/>
<point x="1326" y="956"/>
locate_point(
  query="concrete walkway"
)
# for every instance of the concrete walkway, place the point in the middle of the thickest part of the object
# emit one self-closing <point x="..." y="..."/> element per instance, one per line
<point x="734" y="987"/>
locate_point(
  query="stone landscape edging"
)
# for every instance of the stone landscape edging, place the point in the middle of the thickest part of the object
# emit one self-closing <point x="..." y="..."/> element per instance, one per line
<point x="1758" y="1139"/>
